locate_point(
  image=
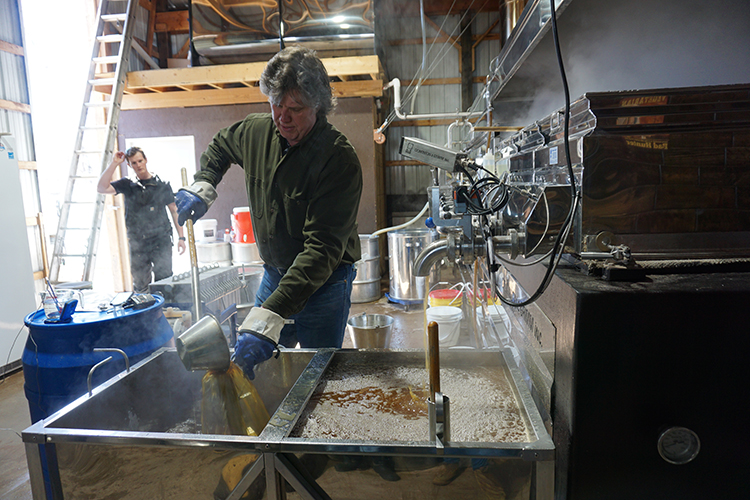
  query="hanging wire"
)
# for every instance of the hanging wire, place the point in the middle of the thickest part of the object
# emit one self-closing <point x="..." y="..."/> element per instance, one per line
<point x="410" y="92"/>
<point x="424" y="53"/>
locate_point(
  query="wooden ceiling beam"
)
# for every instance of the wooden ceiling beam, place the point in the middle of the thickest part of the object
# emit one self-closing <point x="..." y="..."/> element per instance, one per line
<point x="243" y="95"/>
<point x="200" y="75"/>
<point x="240" y="73"/>
<point x="11" y="48"/>
<point x="174" y="22"/>
<point x="151" y="7"/>
<point x="15" y="106"/>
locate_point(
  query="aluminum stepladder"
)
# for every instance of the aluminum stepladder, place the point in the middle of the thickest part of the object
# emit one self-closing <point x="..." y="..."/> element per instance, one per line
<point x="79" y="225"/>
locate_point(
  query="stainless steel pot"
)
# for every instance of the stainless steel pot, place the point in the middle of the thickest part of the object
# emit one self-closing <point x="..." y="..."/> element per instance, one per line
<point x="366" y="286"/>
<point x="403" y="247"/>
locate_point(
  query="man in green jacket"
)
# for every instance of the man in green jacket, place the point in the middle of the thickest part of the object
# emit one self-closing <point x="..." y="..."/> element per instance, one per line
<point x="304" y="182"/>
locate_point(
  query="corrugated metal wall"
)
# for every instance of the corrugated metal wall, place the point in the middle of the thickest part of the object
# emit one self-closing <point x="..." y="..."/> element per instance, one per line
<point x="406" y="184"/>
<point x="136" y="62"/>
<point x="13" y="83"/>
<point x="15" y="117"/>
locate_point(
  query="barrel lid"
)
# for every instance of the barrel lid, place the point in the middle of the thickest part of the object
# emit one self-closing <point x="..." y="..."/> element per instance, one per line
<point x="36" y="318"/>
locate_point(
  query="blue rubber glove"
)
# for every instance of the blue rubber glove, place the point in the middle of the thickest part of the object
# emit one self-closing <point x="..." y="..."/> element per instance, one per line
<point x="189" y="206"/>
<point x="251" y="350"/>
<point x="259" y="333"/>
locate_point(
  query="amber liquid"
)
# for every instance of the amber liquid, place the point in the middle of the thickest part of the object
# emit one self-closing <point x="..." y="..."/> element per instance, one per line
<point x="408" y="402"/>
<point x="231" y="405"/>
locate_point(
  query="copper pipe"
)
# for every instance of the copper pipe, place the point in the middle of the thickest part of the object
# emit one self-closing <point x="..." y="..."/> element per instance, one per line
<point x="433" y="347"/>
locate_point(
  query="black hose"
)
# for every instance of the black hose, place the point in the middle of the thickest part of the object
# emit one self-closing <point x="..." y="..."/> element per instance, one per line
<point x="558" y="246"/>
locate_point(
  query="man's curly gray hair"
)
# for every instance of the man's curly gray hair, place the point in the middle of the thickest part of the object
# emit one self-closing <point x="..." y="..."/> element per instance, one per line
<point x="298" y="69"/>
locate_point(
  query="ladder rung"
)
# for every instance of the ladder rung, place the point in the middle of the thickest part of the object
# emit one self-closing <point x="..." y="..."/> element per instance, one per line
<point x="112" y="18"/>
<point x="102" y="81"/>
<point x="106" y="59"/>
<point x="98" y="104"/>
<point x="89" y="151"/>
<point x="109" y="38"/>
<point x="95" y="127"/>
<point x="72" y="255"/>
<point x="83" y="177"/>
<point x="71" y="202"/>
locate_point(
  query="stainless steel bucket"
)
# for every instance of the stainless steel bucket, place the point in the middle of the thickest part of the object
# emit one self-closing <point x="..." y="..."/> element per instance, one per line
<point x="203" y="346"/>
<point x="403" y="247"/>
<point x="370" y="331"/>
<point x="366" y="285"/>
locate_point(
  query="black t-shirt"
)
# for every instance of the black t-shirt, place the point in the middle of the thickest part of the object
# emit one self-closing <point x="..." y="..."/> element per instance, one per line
<point x="145" y="203"/>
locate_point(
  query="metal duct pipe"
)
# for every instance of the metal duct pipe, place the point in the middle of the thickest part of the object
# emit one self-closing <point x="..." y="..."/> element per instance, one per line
<point x="513" y="9"/>
<point x="396" y="84"/>
<point x="427" y="257"/>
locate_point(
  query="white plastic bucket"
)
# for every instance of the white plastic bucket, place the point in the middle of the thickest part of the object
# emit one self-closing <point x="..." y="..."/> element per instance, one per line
<point x="205" y="230"/>
<point x="245" y="253"/>
<point x="213" y="251"/>
<point x="499" y="318"/>
<point x="448" y="319"/>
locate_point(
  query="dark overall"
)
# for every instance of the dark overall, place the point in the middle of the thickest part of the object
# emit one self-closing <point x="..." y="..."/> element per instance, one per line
<point x="149" y="231"/>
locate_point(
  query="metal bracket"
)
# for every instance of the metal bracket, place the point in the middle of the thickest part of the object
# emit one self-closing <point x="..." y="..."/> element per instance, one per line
<point x="439" y="416"/>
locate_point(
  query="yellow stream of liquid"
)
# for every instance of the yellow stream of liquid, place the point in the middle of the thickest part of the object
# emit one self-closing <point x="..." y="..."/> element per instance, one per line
<point x="231" y="405"/>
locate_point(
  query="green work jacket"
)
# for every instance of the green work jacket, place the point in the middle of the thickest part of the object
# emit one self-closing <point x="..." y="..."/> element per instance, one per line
<point x="303" y="202"/>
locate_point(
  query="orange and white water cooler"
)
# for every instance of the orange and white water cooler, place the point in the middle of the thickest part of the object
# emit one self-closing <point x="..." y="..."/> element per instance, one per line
<point x="244" y="250"/>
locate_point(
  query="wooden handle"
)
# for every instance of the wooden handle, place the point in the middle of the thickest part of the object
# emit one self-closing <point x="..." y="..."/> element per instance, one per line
<point x="195" y="279"/>
<point x="433" y="346"/>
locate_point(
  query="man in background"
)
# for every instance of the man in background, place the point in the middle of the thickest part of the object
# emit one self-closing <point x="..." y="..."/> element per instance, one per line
<point x="149" y="231"/>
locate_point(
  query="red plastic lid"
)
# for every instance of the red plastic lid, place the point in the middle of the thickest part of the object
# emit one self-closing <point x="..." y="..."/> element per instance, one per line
<point x="445" y="293"/>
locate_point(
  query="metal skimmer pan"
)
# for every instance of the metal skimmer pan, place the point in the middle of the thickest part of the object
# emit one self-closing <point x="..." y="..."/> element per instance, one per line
<point x="131" y="436"/>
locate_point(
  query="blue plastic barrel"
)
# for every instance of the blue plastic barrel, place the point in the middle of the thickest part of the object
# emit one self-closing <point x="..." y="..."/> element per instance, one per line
<point x="58" y="356"/>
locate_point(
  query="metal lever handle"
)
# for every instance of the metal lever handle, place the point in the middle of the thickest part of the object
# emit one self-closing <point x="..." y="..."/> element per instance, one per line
<point x="91" y="372"/>
<point x="114" y="349"/>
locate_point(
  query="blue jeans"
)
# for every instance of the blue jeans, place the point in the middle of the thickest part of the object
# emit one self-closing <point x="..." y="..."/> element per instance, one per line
<point x="323" y="320"/>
